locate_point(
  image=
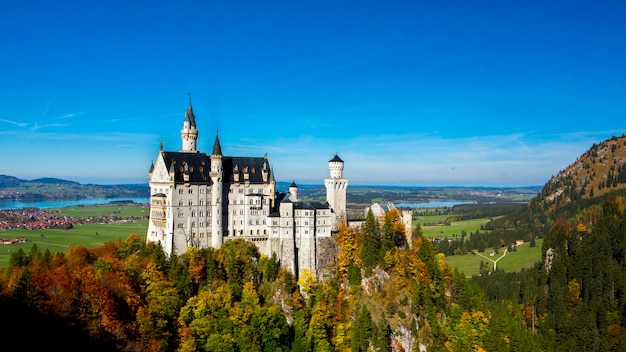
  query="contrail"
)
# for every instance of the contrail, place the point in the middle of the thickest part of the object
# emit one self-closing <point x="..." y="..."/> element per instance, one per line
<point x="45" y="110"/>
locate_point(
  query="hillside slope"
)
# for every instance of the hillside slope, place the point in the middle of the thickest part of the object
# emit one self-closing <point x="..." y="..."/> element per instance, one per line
<point x="13" y="188"/>
<point x="597" y="172"/>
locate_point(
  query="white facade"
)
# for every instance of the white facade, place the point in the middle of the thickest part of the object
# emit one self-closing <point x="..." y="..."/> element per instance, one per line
<point x="200" y="200"/>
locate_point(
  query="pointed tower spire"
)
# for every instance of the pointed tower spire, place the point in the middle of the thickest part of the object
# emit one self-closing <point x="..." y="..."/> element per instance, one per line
<point x="217" y="147"/>
<point x="189" y="133"/>
<point x="189" y="116"/>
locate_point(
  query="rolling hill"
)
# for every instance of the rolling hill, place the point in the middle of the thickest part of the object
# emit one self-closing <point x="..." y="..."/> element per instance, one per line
<point x="13" y="188"/>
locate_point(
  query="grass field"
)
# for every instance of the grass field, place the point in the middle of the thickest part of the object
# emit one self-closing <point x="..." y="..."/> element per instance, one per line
<point x="105" y="210"/>
<point x="455" y="227"/>
<point x="524" y="257"/>
<point x="87" y="235"/>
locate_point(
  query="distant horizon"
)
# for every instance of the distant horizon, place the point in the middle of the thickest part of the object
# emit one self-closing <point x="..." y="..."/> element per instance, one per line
<point x="304" y="184"/>
<point x="489" y="93"/>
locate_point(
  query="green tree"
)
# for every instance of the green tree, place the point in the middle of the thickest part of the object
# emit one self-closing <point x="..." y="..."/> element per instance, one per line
<point x="371" y="243"/>
<point x="362" y="330"/>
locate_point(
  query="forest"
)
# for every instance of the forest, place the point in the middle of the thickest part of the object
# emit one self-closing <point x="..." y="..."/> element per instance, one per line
<point x="387" y="295"/>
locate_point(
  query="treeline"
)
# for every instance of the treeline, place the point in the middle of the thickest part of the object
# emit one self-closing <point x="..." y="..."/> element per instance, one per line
<point x="388" y="293"/>
<point x="576" y="298"/>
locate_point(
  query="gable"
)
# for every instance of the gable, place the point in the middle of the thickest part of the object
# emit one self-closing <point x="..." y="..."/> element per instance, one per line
<point x="160" y="172"/>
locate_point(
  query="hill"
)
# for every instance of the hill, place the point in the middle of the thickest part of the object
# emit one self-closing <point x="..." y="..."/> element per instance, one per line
<point x="599" y="171"/>
<point x="574" y="299"/>
<point x="13" y="188"/>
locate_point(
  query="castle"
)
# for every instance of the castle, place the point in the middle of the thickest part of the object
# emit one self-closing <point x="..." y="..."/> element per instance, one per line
<point x="200" y="200"/>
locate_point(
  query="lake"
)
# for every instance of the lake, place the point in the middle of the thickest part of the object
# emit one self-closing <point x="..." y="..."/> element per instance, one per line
<point x="434" y="204"/>
<point x="66" y="203"/>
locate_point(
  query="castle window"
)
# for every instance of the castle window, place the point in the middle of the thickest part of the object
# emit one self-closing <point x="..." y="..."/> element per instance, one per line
<point x="250" y="232"/>
<point x="193" y="213"/>
<point x="234" y="211"/>
<point x="251" y="222"/>
<point x="190" y="203"/>
<point x="181" y="214"/>
<point x="193" y="224"/>
<point x="264" y="221"/>
<point x="201" y="201"/>
<point x="190" y="191"/>
<point x="180" y="202"/>
<point x="201" y="224"/>
<point x="265" y="232"/>
<point x="257" y="221"/>
<point x="201" y="213"/>
<point x="201" y="189"/>
<point x="180" y="191"/>
<point x="241" y="212"/>
<point x="180" y="226"/>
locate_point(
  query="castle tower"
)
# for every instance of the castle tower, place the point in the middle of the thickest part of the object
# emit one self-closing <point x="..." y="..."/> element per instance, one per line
<point x="189" y="133"/>
<point x="293" y="192"/>
<point x="217" y="176"/>
<point x="407" y="220"/>
<point x="336" y="187"/>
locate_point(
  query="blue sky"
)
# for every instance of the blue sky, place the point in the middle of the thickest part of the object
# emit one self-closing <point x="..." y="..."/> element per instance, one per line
<point x="418" y="93"/>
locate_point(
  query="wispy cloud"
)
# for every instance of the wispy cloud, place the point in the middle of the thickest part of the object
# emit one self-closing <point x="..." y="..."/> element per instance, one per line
<point x="512" y="159"/>
<point x="37" y="126"/>
<point x="16" y="123"/>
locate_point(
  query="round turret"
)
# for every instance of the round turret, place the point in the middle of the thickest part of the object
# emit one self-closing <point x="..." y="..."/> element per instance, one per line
<point x="336" y="167"/>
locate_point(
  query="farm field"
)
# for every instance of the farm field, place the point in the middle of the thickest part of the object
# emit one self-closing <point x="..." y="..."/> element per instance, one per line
<point x="524" y="257"/>
<point x="88" y="235"/>
<point x="450" y="231"/>
<point x="56" y="240"/>
<point x="111" y="209"/>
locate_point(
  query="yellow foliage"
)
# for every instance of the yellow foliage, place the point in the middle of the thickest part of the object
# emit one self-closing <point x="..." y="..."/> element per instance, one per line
<point x="307" y="282"/>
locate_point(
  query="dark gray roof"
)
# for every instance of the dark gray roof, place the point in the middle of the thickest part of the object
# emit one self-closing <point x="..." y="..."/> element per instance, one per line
<point x="336" y="158"/>
<point x="189" y="116"/>
<point x="217" y="147"/>
<point x="310" y="205"/>
<point x="254" y="166"/>
<point x="198" y="167"/>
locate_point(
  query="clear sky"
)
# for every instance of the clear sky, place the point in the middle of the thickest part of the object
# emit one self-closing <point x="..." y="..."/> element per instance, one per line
<point x="418" y="93"/>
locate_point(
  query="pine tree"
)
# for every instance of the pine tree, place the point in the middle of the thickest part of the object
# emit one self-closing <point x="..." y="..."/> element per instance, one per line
<point x="371" y="243"/>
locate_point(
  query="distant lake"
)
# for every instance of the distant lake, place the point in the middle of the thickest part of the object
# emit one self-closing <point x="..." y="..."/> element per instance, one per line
<point x="66" y="203"/>
<point x="434" y="204"/>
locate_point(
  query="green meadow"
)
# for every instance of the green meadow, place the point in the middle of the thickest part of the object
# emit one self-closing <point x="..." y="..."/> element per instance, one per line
<point x="111" y="209"/>
<point x="454" y="229"/>
<point x="523" y="257"/>
<point x="88" y="235"/>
